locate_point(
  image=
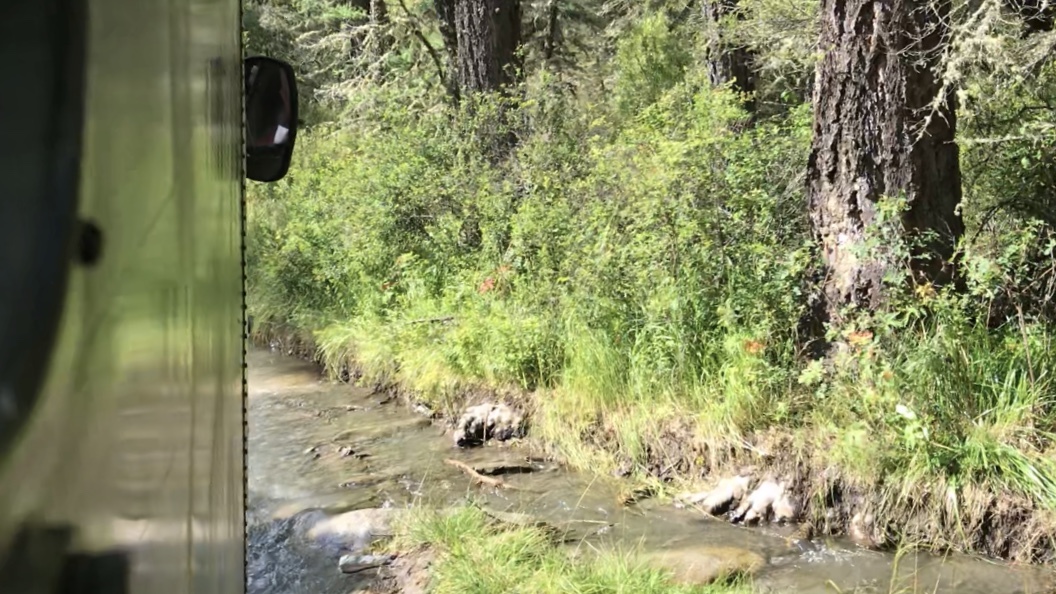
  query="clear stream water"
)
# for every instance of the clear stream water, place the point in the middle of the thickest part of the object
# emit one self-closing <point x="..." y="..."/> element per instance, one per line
<point x="293" y="409"/>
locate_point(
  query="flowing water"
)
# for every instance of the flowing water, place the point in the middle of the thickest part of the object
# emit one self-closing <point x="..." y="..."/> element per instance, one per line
<point x="393" y="458"/>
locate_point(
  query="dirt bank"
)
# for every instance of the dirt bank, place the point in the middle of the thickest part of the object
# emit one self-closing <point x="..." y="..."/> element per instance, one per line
<point x="828" y="501"/>
<point x="408" y="574"/>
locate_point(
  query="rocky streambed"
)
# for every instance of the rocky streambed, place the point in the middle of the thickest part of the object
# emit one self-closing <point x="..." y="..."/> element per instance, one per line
<point x="330" y="466"/>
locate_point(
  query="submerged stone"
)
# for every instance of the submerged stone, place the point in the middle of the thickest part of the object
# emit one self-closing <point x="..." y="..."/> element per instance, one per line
<point x="353" y="530"/>
<point x="704" y="565"/>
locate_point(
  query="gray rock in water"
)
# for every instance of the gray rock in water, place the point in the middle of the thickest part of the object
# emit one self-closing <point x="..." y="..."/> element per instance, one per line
<point x="357" y="563"/>
<point x="482" y="422"/>
<point x="354" y="530"/>
<point x="704" y="564"/>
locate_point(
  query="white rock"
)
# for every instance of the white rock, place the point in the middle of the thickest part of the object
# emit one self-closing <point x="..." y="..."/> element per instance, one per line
<point x="354" y="530"/>
<point x="729" y="490"/>
<point x="758" y="504"/>
<point x="482" y="422"/>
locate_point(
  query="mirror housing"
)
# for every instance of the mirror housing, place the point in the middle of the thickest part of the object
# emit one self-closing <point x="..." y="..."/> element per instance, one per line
<point x="271" y="117"/>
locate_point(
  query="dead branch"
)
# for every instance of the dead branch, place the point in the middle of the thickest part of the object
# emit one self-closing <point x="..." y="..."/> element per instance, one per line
<point x="478" y="478"/>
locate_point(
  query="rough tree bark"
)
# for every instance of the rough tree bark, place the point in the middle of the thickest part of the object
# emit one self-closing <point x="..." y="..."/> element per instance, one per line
<point x="489" y="33"/>
<point x="727" y="62"/>
<point x="872" y="91"/>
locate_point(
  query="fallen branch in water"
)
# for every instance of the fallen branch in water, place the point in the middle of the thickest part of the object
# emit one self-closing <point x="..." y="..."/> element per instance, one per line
<point x="478" y="478"/>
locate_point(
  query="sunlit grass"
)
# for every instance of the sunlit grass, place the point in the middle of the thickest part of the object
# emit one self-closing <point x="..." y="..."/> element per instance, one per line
<point x="475" y="556"/>
<point x="962" y="417"/>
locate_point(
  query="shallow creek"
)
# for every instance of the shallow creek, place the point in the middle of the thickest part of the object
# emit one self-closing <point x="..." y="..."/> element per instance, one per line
<point x="298" y="420"/>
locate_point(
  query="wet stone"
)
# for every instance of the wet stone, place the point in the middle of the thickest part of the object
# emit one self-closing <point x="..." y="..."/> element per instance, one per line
<point x="354" y="530"/>
<point x="358" y="563"/>
<point x="348" y="451"/>
<point x="704" y="565"/>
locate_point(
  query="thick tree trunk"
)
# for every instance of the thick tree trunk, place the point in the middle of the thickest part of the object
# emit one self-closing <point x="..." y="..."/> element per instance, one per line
<point x="727" y="62"/>
<point x="489" y="34"/>
<point x="873" y="89"/>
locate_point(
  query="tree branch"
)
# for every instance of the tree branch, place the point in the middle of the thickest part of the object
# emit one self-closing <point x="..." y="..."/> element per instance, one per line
<point x="417" y="32"/>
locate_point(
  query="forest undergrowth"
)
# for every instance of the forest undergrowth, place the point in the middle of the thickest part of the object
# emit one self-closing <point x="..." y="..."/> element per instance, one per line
<point x="639" y="266"/>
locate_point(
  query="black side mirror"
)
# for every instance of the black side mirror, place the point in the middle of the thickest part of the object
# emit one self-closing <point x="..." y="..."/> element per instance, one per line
<point x="271" y="117"/>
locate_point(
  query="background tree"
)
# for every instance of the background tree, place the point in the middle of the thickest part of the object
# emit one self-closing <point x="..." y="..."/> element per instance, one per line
<point x="727" y="62"/>
<point x="874" y="138"/>
<point x="564" y="36"/>
<point x="488" y="36"/>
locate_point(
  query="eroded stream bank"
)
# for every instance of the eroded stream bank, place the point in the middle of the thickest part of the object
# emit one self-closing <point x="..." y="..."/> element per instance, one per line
<point x="315" y="445"/>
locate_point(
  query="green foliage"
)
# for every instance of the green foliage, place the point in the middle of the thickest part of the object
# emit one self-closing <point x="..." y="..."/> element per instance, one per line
<point x="644" y="250"/>
<point x="1009" y="158"/>
<point x="476" y="556"/>
<point x="658" y="236"/>
<point x="649" y="61"/>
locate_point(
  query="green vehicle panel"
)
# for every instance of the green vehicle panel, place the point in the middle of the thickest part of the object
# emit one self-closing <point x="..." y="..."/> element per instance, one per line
<point x="135" y="439"/>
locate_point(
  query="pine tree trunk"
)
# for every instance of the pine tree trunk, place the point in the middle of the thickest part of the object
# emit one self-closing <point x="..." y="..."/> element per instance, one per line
<point x="872" y="90"/>
<point x="727" y="62"/>
<point x="489" y="34"/>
